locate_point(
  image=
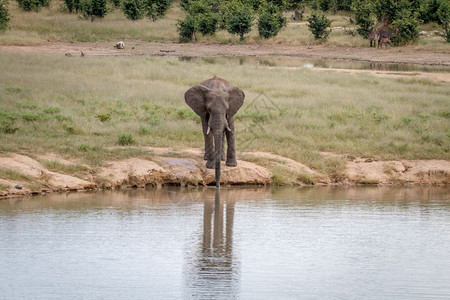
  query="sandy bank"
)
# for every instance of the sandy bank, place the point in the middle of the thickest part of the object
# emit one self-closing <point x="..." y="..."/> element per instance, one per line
<point x="25" y="175"/>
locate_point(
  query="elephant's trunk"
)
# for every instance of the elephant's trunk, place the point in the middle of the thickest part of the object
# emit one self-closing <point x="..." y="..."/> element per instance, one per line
<point x="218" y="140"/>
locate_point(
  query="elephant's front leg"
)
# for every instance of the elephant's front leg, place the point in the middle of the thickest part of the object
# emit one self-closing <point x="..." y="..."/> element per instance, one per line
<point x="231" y="148"/>
<point x="209" y="144"/>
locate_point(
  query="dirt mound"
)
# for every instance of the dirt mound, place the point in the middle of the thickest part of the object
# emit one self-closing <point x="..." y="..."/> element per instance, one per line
<point x="23" y="175"/>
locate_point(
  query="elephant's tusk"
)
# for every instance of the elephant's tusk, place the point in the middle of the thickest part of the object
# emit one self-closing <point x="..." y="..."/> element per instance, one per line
<point x="228" y="128"/>
<point x="207" y="131"/>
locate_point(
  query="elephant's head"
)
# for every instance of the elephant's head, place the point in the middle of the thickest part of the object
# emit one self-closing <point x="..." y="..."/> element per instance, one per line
<point x="216" y="105"/>
<point x="216" y="101"/>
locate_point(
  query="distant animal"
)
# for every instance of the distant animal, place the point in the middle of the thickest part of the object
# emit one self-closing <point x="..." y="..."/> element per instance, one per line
<point x="384" y="40"/>
<point x="373" y="37"/>
<point x="82" y="53"/>
<point x="385" y="36"/>
<point x="120" y="45"/>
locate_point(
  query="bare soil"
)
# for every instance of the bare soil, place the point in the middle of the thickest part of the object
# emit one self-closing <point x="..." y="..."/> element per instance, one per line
<point x="390" y="55"/>
<point x="187" y="168"/>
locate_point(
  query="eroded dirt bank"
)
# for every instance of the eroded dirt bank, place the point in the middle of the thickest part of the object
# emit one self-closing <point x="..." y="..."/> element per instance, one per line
<point x="24" y="175"/>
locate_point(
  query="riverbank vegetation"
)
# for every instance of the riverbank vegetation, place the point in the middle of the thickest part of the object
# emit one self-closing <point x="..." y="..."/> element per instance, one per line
<point x="53" y="21"/>
<point x="100" y="108"/>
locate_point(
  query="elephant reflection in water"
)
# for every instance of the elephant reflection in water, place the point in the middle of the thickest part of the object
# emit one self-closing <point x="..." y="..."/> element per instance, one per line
<point x="213" y="271"/>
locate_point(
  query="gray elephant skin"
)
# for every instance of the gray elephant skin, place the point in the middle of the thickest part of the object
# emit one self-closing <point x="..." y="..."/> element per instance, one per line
<point x="216" y="101"/>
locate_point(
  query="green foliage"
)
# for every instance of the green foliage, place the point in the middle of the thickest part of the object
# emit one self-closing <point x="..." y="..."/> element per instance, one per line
<point x="33" y="5"/>
<point x="187" y="28"/>
<point x="125" y="139"/>
<point x="201" y="16"/>
<point x="4" y="15"/>
<point x="133" y="9"/>
<point x="238" y="17"/>
<point x="94" y="8"/>
<point x="406" y="24"/>
<point x="443" y="15"/>
<point x="156" y="9"/>
<point x="428" y="10"/>
<point x="270" y="19"/>
<point x="363" y="17"/>
<point x="319" y="25"/>
<point x="73" y="5"/>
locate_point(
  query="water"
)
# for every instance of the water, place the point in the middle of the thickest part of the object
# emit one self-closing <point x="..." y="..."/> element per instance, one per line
<point x="244" y="243"/>
<point x="292" y="62"/>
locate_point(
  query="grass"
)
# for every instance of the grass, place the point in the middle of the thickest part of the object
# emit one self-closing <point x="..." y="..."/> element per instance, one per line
<point x="70" y="169"/>
<point x="56" y="24"/>
<point x="13" y="175"/>
<point x="81" y="106"/>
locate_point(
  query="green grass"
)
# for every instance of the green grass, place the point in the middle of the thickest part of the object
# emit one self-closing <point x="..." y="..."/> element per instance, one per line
<point x="55" y="24"/>
<point x="80" y="106"/>
<point x="13" y="175"/>
<point x="70" y="169"/>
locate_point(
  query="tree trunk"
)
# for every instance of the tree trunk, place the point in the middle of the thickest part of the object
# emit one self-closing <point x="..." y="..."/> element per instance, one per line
<point x="218" y="142"/>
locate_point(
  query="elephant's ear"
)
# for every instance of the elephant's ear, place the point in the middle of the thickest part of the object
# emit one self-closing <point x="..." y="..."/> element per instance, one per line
<point x="195" y="98"/>
<point x="236" y="100"/>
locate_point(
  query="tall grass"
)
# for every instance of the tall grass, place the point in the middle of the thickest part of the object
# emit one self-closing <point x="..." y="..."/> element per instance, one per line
<point x="79" y="106"/>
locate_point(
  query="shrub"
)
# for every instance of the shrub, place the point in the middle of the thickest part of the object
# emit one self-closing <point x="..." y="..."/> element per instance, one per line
<point x="125" y="139"/>
<point x="443" y="14"/>
<point x="93" y="8"/>
<point x="201" y="16"/>
<point x="133" y="9"/>
<point x="270" y="20"/>
<point x="156" y="9"/>
<point x="406" y="26"/>
<point x="363" y="17"/>
<point x="319" y="26"/>
<point x="238" y="18"/>
<point x="187" y="28"/>
<point x="33" y="5"/>
<point x="4" y="15"/>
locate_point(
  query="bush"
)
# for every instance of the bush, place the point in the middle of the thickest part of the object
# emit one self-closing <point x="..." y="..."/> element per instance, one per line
<point x="125" y="139"/>
<point x="33" y="5"/>
<point x="406" y="26"/>
<point x="238" y="18"/>
<point x="200" y="17"/>
<point x="94" y="8"/>
<point x="156" y="9"/>
<point x="187" y="28"/>
<point x="133" y="9"/>
<point x="319" y="26"/>
<point x="270" y="20"/>
<point x="443" y="15"/>
<point x="428" y="11"/>
<point x="363" y="17"/>
<point x="4" y="15"/>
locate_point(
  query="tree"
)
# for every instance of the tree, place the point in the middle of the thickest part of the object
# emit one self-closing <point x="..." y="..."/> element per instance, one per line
<point x="133" y="9"/>
<point x="201" y="16"/>
<point x="443" y="14"/>
<point x="406" y="25"/>
<point x="156" y="9"/>
<point x="4" y="15"/>
<point x="238" y="18"/>
<point x="363" y="17"/>
<point x="270" y="19"/>
<point x="319" y="24"/>
<point x="94" y="8"/>
<point x="33" y="5"/>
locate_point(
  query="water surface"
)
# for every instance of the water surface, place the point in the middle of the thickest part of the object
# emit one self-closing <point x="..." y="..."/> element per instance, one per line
<point x="243" y="243"/>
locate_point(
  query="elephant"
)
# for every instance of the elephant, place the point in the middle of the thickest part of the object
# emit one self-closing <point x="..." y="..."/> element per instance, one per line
<point x="216" y="101"/>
